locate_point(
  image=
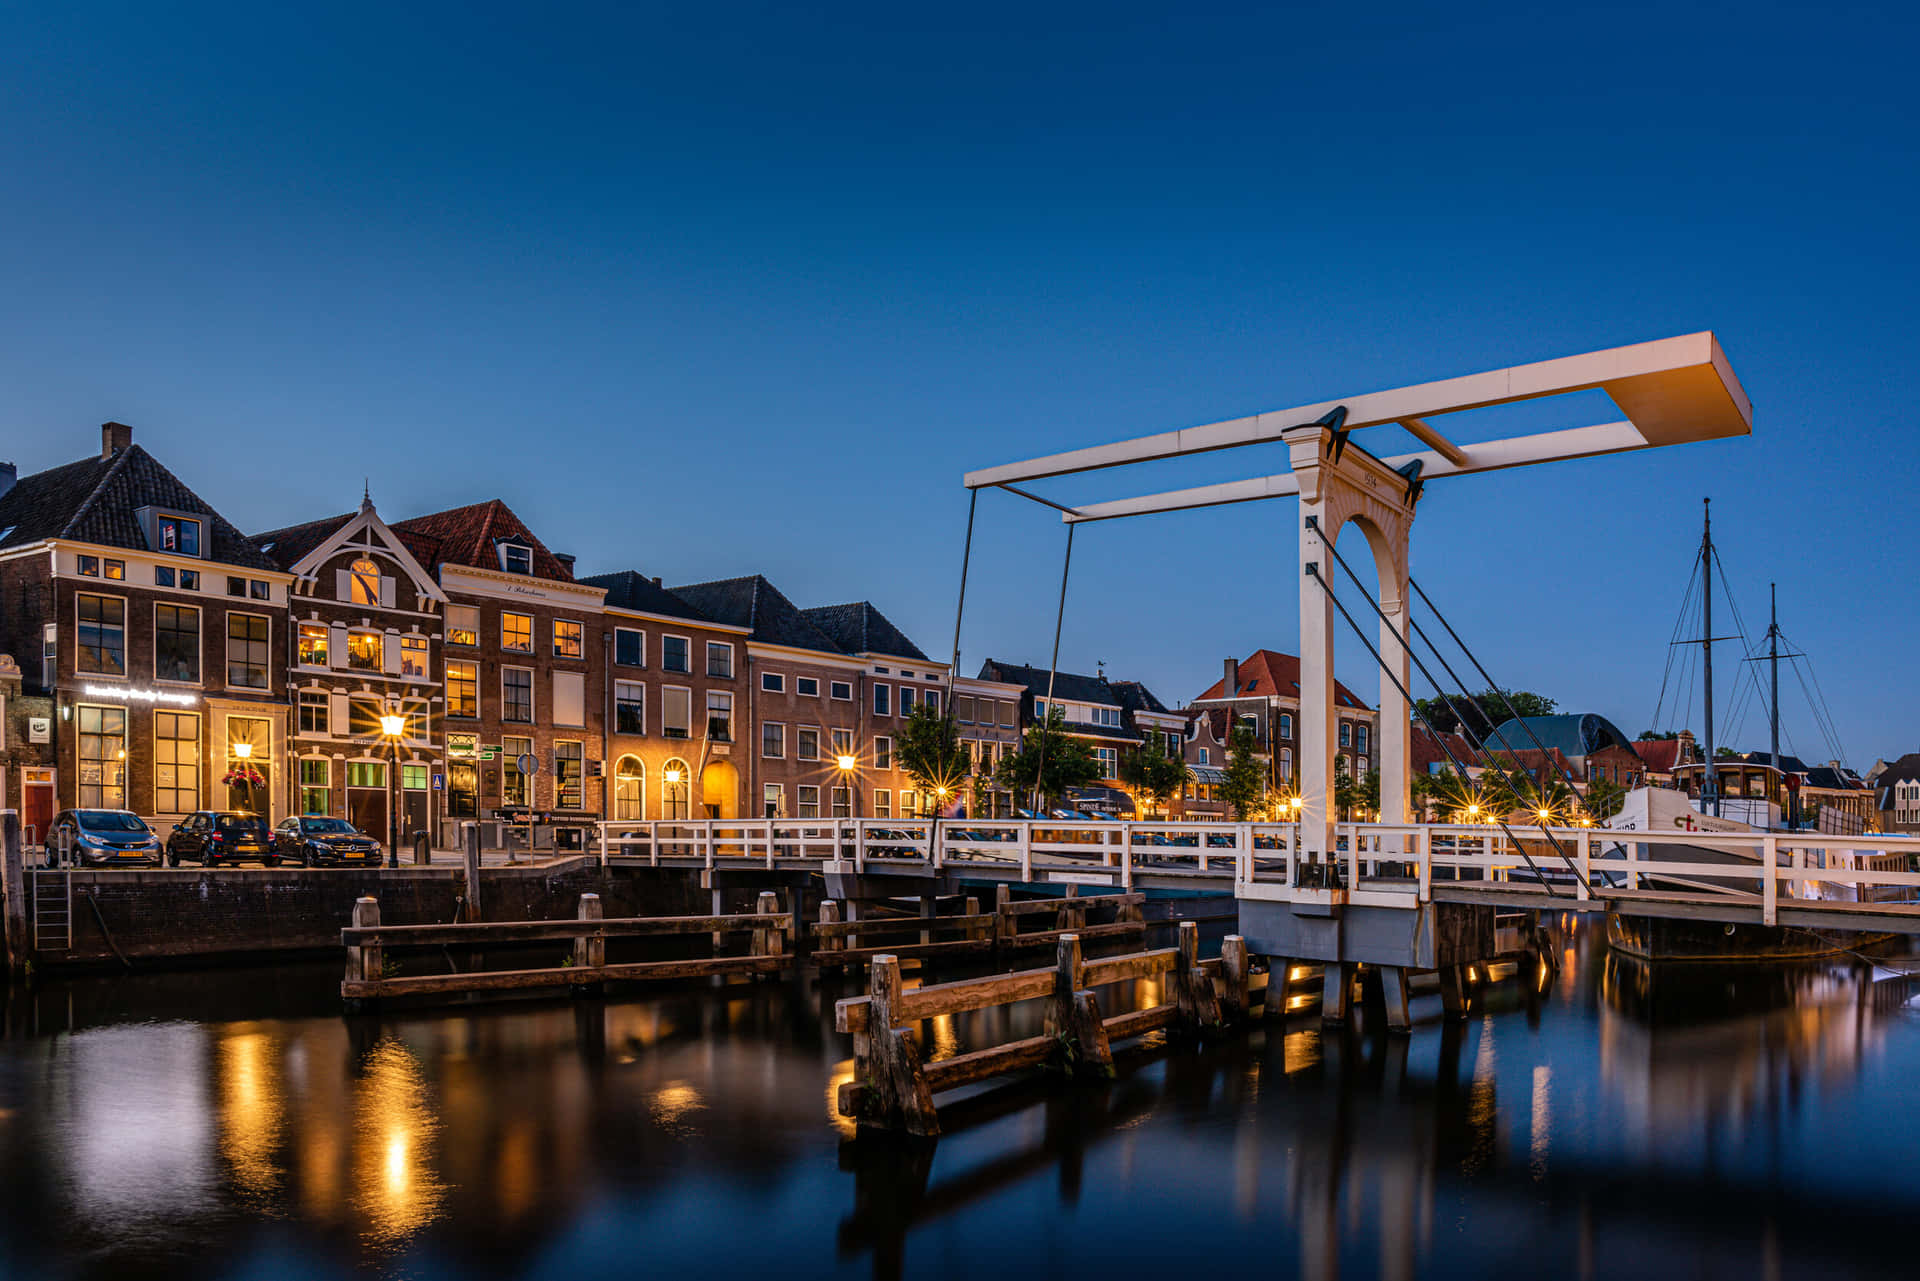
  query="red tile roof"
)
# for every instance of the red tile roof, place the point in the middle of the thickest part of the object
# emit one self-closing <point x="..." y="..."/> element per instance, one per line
<point x="1660" y="754"/>
<point x="470" y="536"/>
<point x="1266" y="674"/>
<point x="1425" y="749"/>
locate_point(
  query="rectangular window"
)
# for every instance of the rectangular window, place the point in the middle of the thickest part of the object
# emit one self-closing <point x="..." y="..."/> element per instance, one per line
<point x="842" y="743"/>
<point x="176" y="644"/>
<point x="675" y="654"/>
<point x="103" y="635"/>
<point x="1286" y="725"/>
<point x="883" y="753"/>
<point x="906" y="700"/>
<point x="629" y="707"/>
<point x="773" y="740"/>
<point x="773" y="682"/>
<point x="806" y="745"/>
<point x="882" y="803"/>
<point x="463" y="689"/>
<point x="316" y="797"/>
<point x="179" y="535"/>
<point x="176" y="762"/>
<point x="516" y="558"/>
<point x="963" y="709"/>
<point x="809" y="801"/>
<point x="676" y="712"/>
<point x="1006" y="715"/>
<point x="89" y="566"/>
<point x="1360" y="738"/>
<point x="102" y="757"/>
<point x="516" y="788"/>
<point x="880" y="697"/>
<point x="257" y="590"/>
<point x="366" y="773"/>
<point x="190" y="580"/>
<point x="773" y="801"/>
<point x="1346" y="734"/>
<point x="163" y="575"/>
<point x="719" y="716"/>
<point x="247" y="645"/>
<point x="842" y="802"/>
<point x="569" y="775"/>
<point x="719" y="660"/>
<point x="365" y="651"/>
<point x="629" y="647"/>
<point x="413" y="656"/>
<point x="117" y="569"/>
<point x="236" y="586"/>
<point x="567" y="642"/>
<point x="840" y="690"/>
<point x="569" y="705"/>
<point x="313" y="711"/>
<point x="413" y="778"/>
<point x="807" y="686"/>
<point x="516" y="632"/>
<point x="463" y="624"/>
<point x="516" y="695"/>
<point x="363" y="718"/>
<point x="313" y="645"/>
<point x="932" y="700"/>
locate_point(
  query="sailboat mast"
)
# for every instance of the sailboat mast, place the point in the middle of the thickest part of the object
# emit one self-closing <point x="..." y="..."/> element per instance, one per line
<point x="1773" y="659"/>
<point x="1710" y="782"/>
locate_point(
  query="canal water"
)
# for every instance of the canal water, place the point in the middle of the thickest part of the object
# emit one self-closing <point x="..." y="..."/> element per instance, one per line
<point x="1605" y="1121"/>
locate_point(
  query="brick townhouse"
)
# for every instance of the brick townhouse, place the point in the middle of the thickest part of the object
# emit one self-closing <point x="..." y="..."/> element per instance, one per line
<point x="156" y="628"/>
<point x="1111" y="717"/>
<point x="986" y="718"/>
<point x="365" y="630"/>
<point x="523" y="672"/>
<point x="1264" y="692"/>
<point x="674" y="697"/>
<point x="898" y="679"/>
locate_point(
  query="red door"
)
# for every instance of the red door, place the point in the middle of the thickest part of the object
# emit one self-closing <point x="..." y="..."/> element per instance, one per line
<point x="39" y="811"/>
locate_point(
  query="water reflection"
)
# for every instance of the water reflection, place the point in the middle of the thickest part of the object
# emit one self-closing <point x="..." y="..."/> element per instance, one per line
<point x="1608" y="1120"/>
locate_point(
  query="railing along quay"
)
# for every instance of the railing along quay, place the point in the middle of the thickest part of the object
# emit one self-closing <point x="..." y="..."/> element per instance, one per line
<point x="368" y="942"/>
<point x="893" y="1085"/>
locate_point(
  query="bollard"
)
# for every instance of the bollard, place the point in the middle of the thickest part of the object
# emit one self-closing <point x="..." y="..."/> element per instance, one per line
<point x="470" y="846"/>
<point x="767" y="938"/>
<point x="15" y="890"/>
<point x="590" y="950"/>
<point x="830" y="915"/>
<point x="1235" y="978"/>
<point x="422" y="849"/>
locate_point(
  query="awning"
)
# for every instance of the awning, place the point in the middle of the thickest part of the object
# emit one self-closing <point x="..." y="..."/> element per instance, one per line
<point x="1207" y="774"/>
<point x="1111" y="799"/>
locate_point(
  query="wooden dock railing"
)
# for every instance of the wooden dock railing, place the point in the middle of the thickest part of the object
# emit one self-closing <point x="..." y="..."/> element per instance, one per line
<point x="893" y="1086"/>
<point x="844" y="943"/>
<point x="368" y="942"/>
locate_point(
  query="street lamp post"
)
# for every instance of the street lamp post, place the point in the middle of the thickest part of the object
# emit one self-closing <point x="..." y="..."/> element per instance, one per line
<point x="392" y="727"/>
<point x="243" y="752"/>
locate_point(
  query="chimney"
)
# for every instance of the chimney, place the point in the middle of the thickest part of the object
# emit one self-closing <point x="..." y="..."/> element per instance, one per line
<point x="114" y="438"/>
<point x="1233" y="677"/>
<point x="656" y="580"/>
<point x="566" y="562"/>
<point x="9" y="473"/>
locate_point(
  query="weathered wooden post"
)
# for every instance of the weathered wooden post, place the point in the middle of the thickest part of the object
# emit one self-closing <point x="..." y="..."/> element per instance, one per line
<point x="1336" y="989"/>
<point x="830" y="915"/>
<point x="1453" y="998"/>
<point x="1235" y="978"/>
<point x="1197" y="1007"/>
<point x="768" y="938"/>
<point x="590" y="948"/>
<point x="1074" y="1015"/>
<point x="1071" y="915"/>
<point x="1003" y="923"/>
<point x="365" y="961"/>
<point x="15" y="890"/>
<point x="900" y="1087"/>
<point x="470" y="850"/>
<point x="971" y="907"/>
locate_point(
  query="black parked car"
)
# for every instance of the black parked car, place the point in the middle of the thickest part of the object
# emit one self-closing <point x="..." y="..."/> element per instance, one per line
<point x="314" y="840"/>
<point x="106" y="838"/>
<point x="213" y="837"/>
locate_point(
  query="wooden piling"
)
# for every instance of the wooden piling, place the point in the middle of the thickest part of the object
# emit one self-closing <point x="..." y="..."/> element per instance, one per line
<point x="366" y="962"/>
<point x="1235" y="979"/>
<point x="971" y="907"/>
<point x="830" y="915"/>
<point x="768" y="940"/>
<point x="15" y="889"/>
<point x="470" y="853"/>
<point x="899" y="1088"/>
<point x="590" y="951"/>
<point x="1004" y="926"/>
<point x="1393" y="985"/>
<point x="1197" y="1007"/>
<point x="1453" y="999"/>
<point x="1074" y="1015"/>
<point x="1335" y="992"/>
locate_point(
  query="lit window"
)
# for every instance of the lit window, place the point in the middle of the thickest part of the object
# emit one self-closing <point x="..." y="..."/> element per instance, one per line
<point x="463" y="689"/>
<point x="315" y="796"/>
<point x="883" y="753"/>
<point x="116" y="569"/>
<point x="363" y="651"/>
<point x="676" y="787"/>
<point x="103" y="757"/>
<point x="102" y="634"/>
<point x="89" y="566"/>
<point x="516" y="787"/>
<point x="463" y="624"/>
<point x="629" y="790"/>
<point x="516" y="632"/>
<point x="413" y="656"/>
<point x="882" y="803"/>
<point x="363" y="582"/>
<point x="809" y="801"/>
<point x="566" y="638"/>
<point x="313" y="644"/>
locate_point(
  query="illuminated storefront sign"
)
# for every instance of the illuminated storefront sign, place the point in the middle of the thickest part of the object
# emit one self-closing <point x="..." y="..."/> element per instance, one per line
<point x="133" y="695"/>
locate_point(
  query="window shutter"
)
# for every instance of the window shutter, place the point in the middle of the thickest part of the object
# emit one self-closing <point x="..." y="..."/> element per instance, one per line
<point x="569" y="699"/>
<point x="342" y="585"/>
<point x="386" y="591"/>
<point x="390" y="654"/>
<point x="337" y="643"/>
<point x="337" y="713"/>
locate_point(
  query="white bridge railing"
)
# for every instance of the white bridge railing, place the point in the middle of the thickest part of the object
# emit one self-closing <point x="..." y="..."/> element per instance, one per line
<point x="1389" y="864"/>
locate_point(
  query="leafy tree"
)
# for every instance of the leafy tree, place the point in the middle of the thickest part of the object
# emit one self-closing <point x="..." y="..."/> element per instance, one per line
<point x="1483" y="711"/>
<point x="1724" y="753"/>
<point x="1506" y="787"/>
<point x="1352" y="794"/>
<point x="1605" y="798"/>
<point x="1152" y="774"/>
<point x="1245" y="781"/>
<point x="1652" y="736"/>
<point x="1068" y="762"/>
<point x="928" y="748"/>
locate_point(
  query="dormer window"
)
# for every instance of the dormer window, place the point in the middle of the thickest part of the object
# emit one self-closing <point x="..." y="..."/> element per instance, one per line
<point x="363" y="582"/>
<point x="516" y="558"/>
<point x="177" y="534"/>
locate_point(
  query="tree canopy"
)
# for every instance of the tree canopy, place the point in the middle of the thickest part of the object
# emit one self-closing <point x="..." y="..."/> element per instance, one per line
<point x="928" y="748"/>
<point x="1245" y="779"/>
<point x="1482" y="711"/>
<point x="1068" y="762"/>
<point x="1152" y="774"/>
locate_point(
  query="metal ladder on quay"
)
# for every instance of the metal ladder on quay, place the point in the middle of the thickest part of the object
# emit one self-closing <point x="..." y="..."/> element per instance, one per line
<point x="52" y="910"/>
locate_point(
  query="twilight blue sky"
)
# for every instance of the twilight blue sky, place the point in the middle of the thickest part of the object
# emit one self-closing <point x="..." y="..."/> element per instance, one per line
<point x="706" y="290"/>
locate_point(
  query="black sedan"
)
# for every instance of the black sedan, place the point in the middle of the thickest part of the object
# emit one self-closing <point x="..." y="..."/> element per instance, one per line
<point x="105" y="838"/>
<point x="313" y="840"/>
<point x="213" y="837"/>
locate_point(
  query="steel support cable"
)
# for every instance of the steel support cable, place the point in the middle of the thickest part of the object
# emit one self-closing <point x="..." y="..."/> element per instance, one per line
<point x="1673" y="641"/>
<point x="1826" y="732"/>
<point x="960" y="608"/>
<point x="1313" y="572"/>
<point x="1823" y="712"/>
<point x="1053" y="670"/>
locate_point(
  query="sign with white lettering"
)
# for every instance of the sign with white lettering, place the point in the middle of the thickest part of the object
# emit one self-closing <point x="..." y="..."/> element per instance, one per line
<point x="135" y="695"/>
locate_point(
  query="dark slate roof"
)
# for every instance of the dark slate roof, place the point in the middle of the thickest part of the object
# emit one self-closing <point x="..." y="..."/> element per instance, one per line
<point x="94" y="501"/>
<point x="286" y="547"/>
<point x="859" y="628"/>
<point x="1574" y="734"/>
<point x="1135" y="697"/>
<point x="1904" y="770"/>
<point x="754" y="603"/>
<point x="471" y="536"/>
<point x="1066" y="685"/>
<point x="630" y="589"/>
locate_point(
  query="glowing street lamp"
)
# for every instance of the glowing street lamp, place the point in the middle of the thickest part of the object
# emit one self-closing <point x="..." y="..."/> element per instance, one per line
<point x="672" y="776"/>
<point x="393" y="727"/>
<point x="845" y="763"/>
